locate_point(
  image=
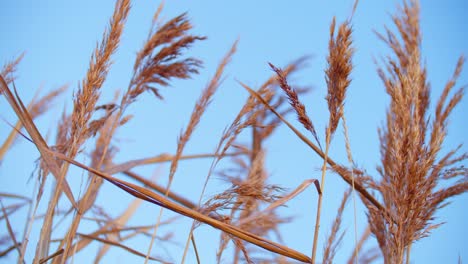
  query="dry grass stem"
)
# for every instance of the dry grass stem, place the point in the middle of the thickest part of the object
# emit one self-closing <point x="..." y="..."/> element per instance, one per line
<point x="10" y="229"/>
<point x="128" y="165"/>
<point x="84" y="105"/>
<point x="337" y="76"/>
<point x="113" y="243"/>
<point x="349" y="155"/>
<point x="24" y="116"/>
<point x="35" y="108"/>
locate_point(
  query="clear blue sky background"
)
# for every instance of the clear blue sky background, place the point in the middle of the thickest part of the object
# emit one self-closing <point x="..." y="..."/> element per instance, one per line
<point x="59" y="36"/>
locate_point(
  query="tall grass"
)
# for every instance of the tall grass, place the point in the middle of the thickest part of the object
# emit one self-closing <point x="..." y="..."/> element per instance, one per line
<point x="416" y="178"/>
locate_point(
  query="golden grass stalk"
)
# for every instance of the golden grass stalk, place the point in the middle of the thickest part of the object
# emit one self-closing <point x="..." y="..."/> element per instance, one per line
<point x="411" y="170"/>
<point x="198" y="110"/>
<point x="83" y="107"/>
<point x="40" y="143"/>
<point x="337" y="76"/>
<point x="88" y="199"/>
<point x="250" y="192"/>
<point x="150" y="66"/>
<point x="88" y="94"/>
<point x="158" y="62"/>
<point x="165" y="157"/>
<point x="149" y="184"/>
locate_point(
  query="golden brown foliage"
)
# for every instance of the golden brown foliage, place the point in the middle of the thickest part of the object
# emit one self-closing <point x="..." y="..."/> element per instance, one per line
<point x="416" y="178"/>
<point x="411" y="169"/>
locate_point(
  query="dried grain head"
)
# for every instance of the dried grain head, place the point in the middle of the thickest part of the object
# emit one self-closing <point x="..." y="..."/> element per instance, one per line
<point x="338" y="71"/>
<point x="160" y="59"/>
<point x="412" y="167"/>
<point x="294" y="101"/>
<point x="89" y="91"/>
<point x="9" y="69"/>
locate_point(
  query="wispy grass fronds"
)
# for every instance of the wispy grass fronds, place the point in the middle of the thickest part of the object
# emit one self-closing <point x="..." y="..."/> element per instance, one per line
<point x="344" y="173"/>
<point x="338" y="72"/>
<point x="364" y="237"/>
<point x="247" y="115"/>
<point x="235" y="198"/>
<point x="159" y="60"/>
<point x="334" y="239"/>
<point x="295" y="103"/>
<point x="249" y="171"/>
<point x="417" y="174"/>
<point x="10" y="68"/>
<point x="88" y="94"/>
<point x="121" y="221"/>
<point x="200" y="107"/>
<point x="160" y="200"/>
<point x="412" y="167"/>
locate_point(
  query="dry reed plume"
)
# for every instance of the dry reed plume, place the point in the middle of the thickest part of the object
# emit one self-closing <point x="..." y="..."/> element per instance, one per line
<point x="410" y="142"/>
<point x="416" y="178"/>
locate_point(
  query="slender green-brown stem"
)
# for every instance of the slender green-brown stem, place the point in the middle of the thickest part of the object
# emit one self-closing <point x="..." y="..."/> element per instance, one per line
<point x="319" y="202"/>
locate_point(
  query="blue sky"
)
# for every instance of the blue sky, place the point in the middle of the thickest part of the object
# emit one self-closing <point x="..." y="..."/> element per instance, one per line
<point x="59" y="36"/>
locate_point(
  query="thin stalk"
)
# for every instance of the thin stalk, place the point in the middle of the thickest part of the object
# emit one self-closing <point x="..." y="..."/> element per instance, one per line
<point x="351" y="163"/>
<point x="10" y="139"/>
<point x="319" y="203"/>
<point x="195" y="249"/>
